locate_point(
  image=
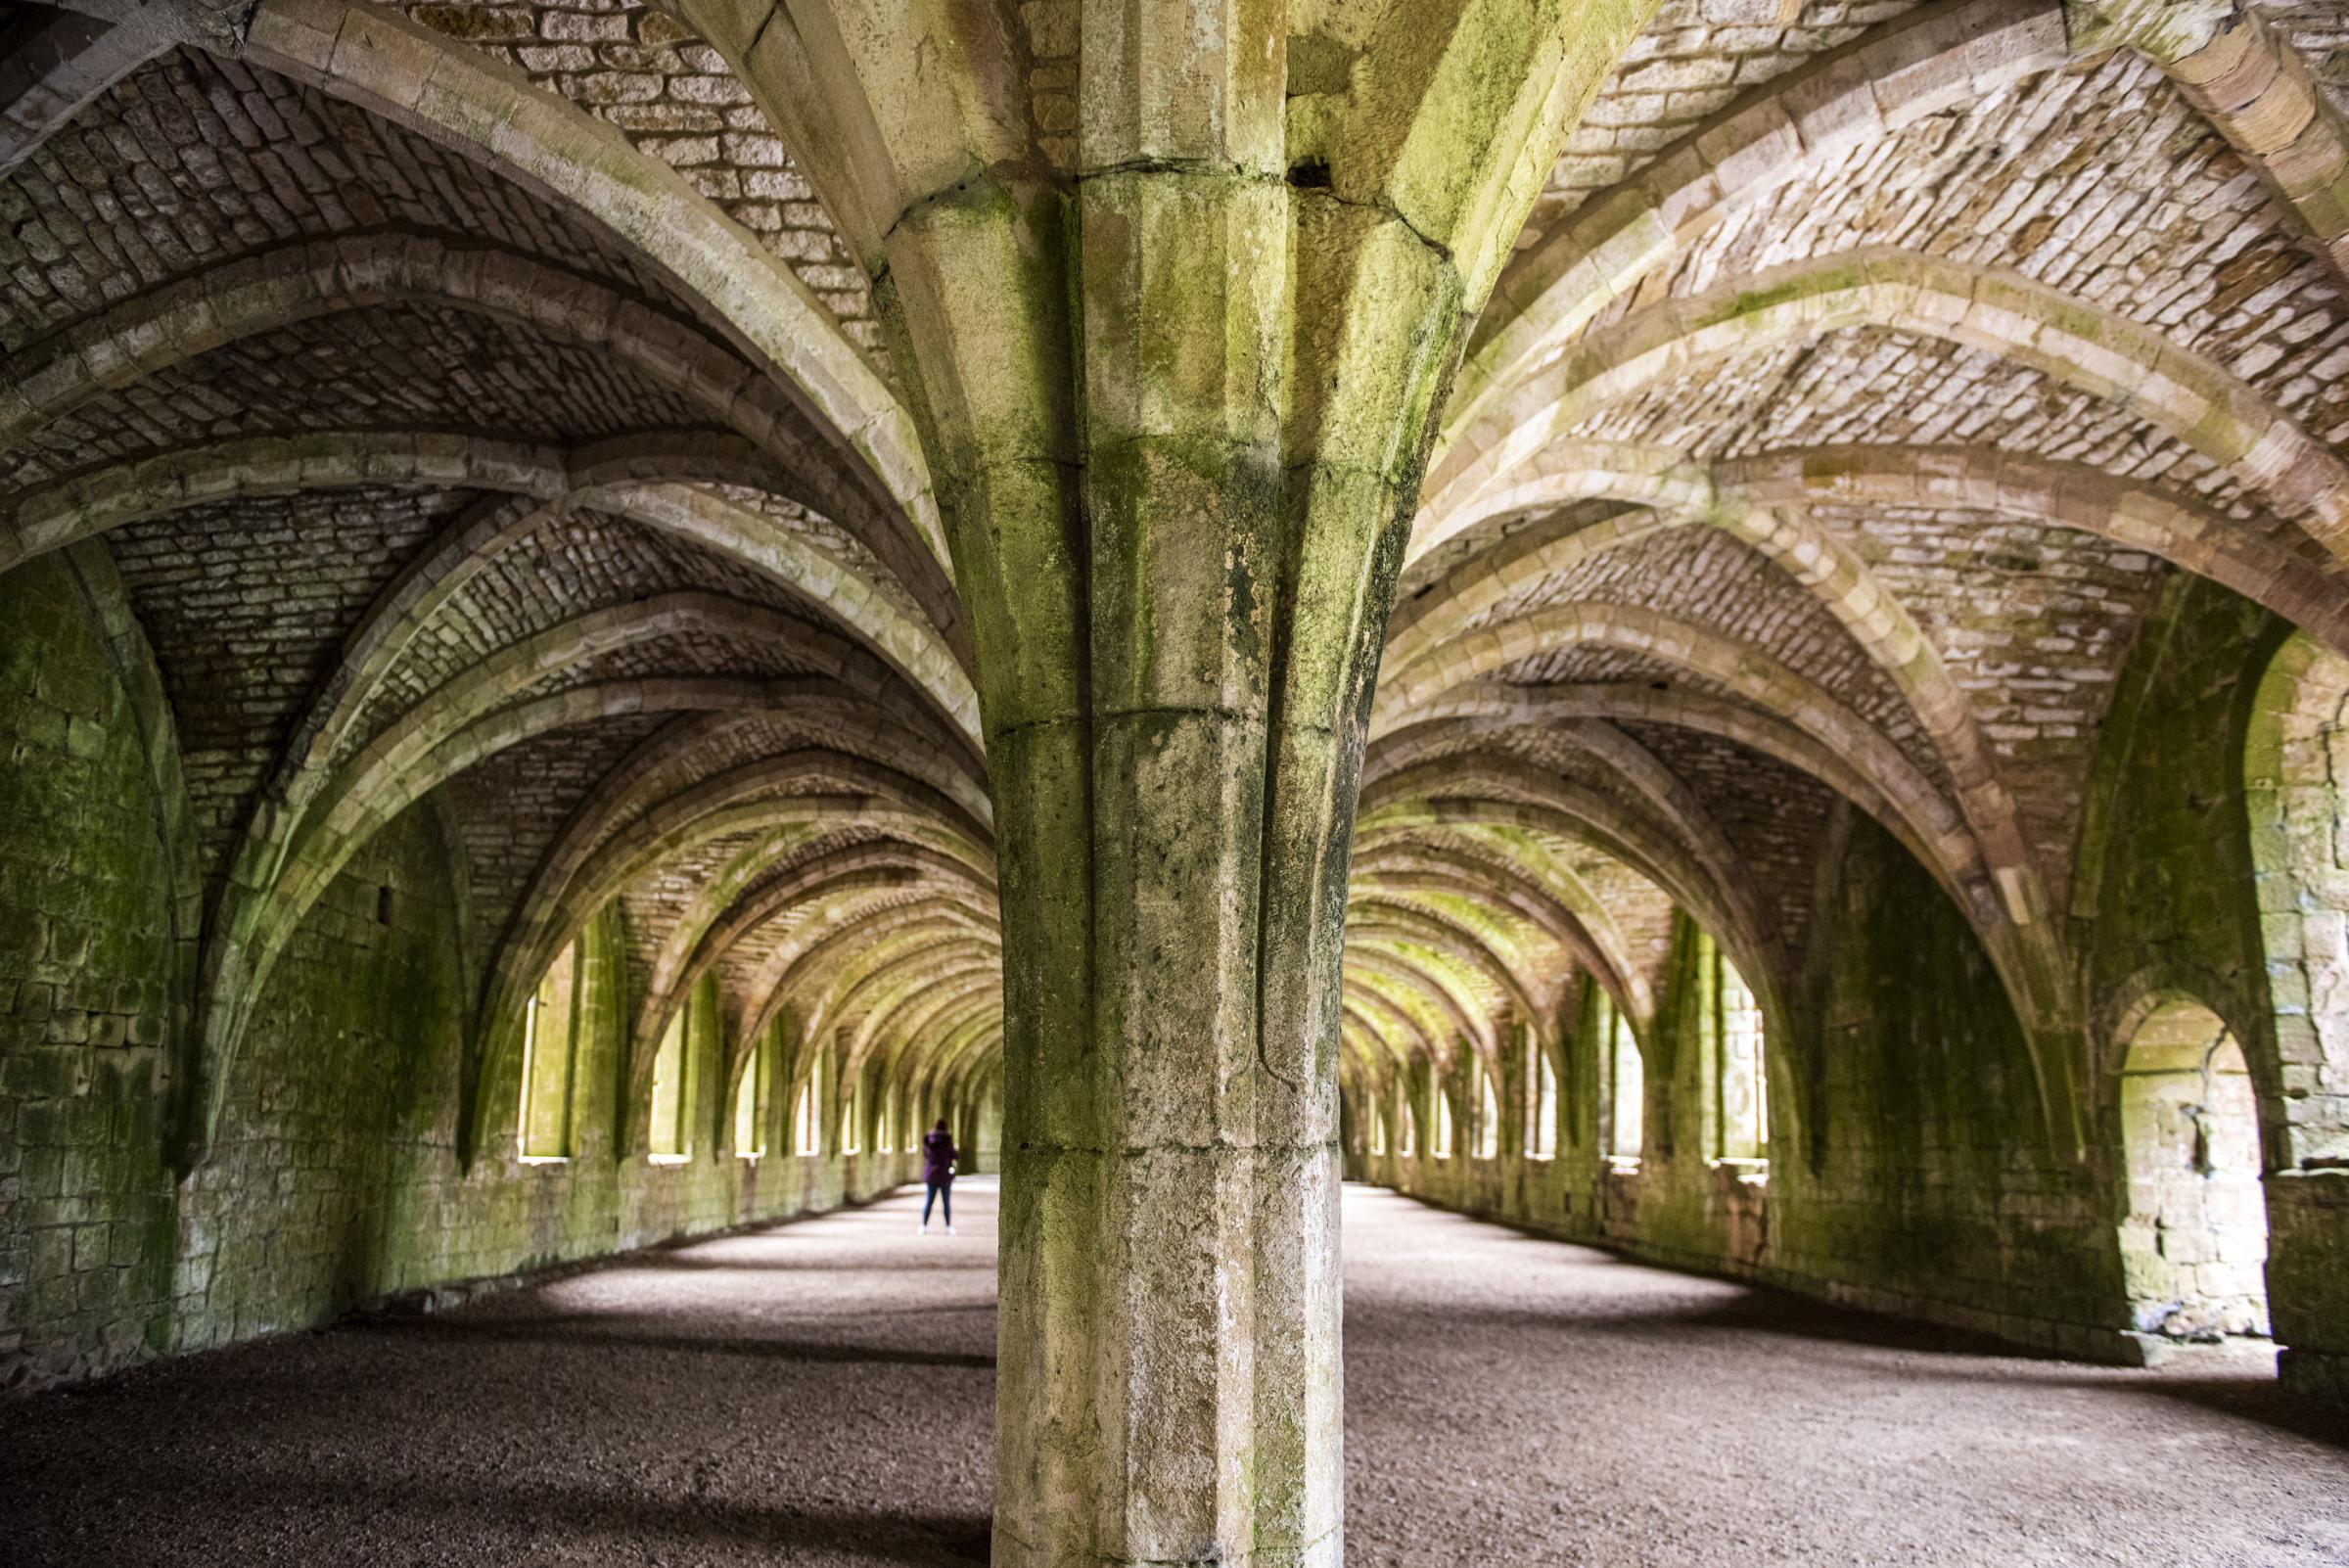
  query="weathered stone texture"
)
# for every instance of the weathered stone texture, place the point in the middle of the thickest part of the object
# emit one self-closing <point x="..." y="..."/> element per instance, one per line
<point x="247" y="606"/>
<point x="87" y="1218"/>
<point x="2098" y="180"/>
<point x="1865" y="540"/>
<point x="1899" y="1179"/>
<point x="832" y="540"/>
<point x="335" y="1180"/>
<point x="2320" y="33"/>
<point x="509" y="808"/>
<point x="1739" y="596"/>
<point x="1777" y="816"/>
<point x="195" y="160"/>
<point x="645" y="73"/>
<point x="1053" y="27"/>
<point x="655" y="904"/>
<point x="570" y="566"/>
<point x="2033" y="624"/>
<point x="419" y="367"/>
<point x="2192" y="869"/>
<point x="1868" y="386"/>
<point x="1896" y="1183"/>
<point x="1599" y="664"/>
<point x="1695" y="58"/>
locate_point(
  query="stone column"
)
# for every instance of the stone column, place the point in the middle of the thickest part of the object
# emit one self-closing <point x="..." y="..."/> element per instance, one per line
<point x="1175" y="365"/>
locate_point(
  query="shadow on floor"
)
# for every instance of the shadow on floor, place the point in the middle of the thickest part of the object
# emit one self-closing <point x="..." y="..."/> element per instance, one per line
<point x="2245" y="1398"/>
<point x="599" y="1335"/>
<point x="441" y="1511"/>
<point x="1763" y="1310"/>
<point x="661" y="1262"/>
<point x="2247" y="1391"/>
<point x="1751" y="1309"/>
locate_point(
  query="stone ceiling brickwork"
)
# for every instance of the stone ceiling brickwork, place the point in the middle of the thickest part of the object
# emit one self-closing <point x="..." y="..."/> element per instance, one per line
<point x="2320" y="33"/>
<point x="412" y="368"/>
<point x="245" y="604"/>
<point x="1863" y="374"/>
<point x="194" y="159"/>
<point x="1696" y="58"/>
<point x="644" y="72"/>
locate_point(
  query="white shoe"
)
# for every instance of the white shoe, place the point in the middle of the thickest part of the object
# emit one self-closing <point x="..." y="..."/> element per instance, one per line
<point x="950" y="1230"/>
<point x="925" y="1228"/>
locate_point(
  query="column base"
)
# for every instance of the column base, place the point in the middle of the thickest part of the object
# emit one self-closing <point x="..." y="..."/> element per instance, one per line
<point x="1327" y="1552"/>
<point x="2312" y="1374"/>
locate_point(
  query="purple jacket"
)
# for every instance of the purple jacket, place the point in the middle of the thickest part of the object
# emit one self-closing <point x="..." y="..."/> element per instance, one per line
<point x="938" y="1156"/>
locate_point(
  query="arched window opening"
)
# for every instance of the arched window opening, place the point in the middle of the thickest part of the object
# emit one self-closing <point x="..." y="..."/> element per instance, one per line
<point x="551" y="1061"/>
<point x="2194" y="1245"/>
<point x="750" y="1106"/>
<point x="1741" y="1098"/>
<point x="885" y="1139"/>
<point x="1378" y="1130"/>
<point x="852" y="1126"/>
<point x="807" y="1115"/>
<point x="2296" y="758"/>
<point x="1487" y="1115"/>
<point x="1541" y="1100"/>
<point x="672" y="1091"/>
<point x="1408" y="1145"/>
<point x="1625" y="1104"/>
<point x="1442" y="1108"/>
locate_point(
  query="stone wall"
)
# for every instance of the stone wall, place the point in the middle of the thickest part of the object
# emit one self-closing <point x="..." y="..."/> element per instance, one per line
<point x="335" y="1180"/>
<point x="1913" y="1170"/>
<point x="87" y="1221"/>
<point x="2174" y="886"/>
<point x="1905" y="1177"/>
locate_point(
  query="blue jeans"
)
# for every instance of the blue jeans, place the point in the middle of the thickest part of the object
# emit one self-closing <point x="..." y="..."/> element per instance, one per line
<point x="942" y="1193"/>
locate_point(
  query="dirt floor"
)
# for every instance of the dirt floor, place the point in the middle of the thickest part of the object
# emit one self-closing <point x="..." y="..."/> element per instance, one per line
<point x="819" y="1393"/>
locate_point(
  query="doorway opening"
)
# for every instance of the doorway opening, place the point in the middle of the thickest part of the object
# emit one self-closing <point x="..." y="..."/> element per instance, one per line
<point x="2194" y="1243"/>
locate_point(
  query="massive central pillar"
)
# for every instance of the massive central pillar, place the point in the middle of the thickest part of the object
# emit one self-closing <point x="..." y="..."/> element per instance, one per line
<point x="1175" y="288"/>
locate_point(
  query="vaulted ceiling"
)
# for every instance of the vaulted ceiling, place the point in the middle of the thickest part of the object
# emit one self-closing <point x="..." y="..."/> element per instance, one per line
<point x="477" y="404"/>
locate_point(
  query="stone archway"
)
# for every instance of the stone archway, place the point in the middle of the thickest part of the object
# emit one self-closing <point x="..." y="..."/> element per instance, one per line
<point x="2194" y="1234"/>
<point x="2295" y="756"/>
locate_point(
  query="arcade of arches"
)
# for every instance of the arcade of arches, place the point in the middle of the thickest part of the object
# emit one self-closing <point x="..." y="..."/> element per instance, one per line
<point x="1714" y="627"/>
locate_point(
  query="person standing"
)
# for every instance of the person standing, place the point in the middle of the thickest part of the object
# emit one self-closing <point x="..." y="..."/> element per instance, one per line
<point x="938" y="1172"/>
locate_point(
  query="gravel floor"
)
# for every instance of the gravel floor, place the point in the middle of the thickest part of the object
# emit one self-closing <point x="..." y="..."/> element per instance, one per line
<point x="818" y="1394"/>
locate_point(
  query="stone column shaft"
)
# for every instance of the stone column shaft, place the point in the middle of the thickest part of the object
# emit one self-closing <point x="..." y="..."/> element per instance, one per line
<point x="1175" y="371"/>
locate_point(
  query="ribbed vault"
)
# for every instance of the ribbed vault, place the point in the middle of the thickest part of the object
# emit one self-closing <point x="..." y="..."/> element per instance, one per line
<point x="485" y="413"/>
